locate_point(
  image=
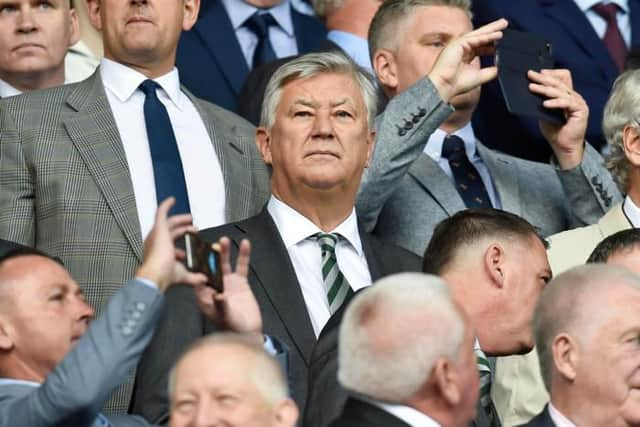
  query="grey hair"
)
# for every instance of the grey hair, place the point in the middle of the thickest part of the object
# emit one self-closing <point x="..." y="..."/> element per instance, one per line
<point x="392" y="335"/>
<point x="324" y="7"/>
<point x="621" y="109"/>
<point x="564" y="306"/>
<point x="265" y="373"/>
<point x="312" y="65"/>
<point x="385" y="31"/>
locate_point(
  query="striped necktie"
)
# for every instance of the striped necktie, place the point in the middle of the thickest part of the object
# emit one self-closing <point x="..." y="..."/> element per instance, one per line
<point x="336" y="287"/>
<point x="484" y="371"/>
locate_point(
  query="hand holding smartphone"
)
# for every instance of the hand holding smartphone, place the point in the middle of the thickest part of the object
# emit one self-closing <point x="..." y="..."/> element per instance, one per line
<point x="204" y="257"/>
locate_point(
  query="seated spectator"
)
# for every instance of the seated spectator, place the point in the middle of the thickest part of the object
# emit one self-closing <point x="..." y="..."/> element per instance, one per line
<point x="588" y="37"/>
<point x="232" y="37"/>
<point x="586" y="327"/>
<point x="56" y="368"/>
<point x="33" y="44"/>
<point x="229" y="379"/>
<point x="402" y="367"/>
<point x="428" y="163"/>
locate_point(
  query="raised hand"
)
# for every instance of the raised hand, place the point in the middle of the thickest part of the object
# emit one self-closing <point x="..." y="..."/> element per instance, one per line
<point x="566" y="140"/>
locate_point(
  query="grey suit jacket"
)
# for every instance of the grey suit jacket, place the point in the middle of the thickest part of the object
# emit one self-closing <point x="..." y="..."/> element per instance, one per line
<point x="276" y="288"/>
<point x="74" y="392"/>
<point x="65" y="186"/>
<point x="405" y="193"/>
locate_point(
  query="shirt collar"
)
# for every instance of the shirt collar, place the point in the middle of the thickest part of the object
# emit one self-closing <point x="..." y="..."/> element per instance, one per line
<point x="6" y="90"/>
<point x="558" y="418"/>
<point x="632" y="211"/>
<point x="123" y="81"/>
<point x="407" y="414"/>
<point x="240" y="11"/>
<point x="434" y="145"/>
<point x="585" y="5"/>
<point x="295" y="227"/>
<point x="11" y="381"/>
<point x="356" y="47"/>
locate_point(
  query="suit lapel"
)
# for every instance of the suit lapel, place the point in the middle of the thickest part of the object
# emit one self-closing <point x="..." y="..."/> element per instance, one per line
<point x="218" y="36"/>
<point x="505" y="178"/>
<point x="231" y="158"/>
<point x="573" y="20"/>
<point x="272" y="266"/>
<point x="94" y="133"/>
<point x="429" y="174"/>
<point x="305" y="39"/>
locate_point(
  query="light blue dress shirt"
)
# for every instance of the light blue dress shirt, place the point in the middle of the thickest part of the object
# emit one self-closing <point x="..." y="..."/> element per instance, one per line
<point x="356" y="47"/>
<point x="600" y="25"/>
<point x="433" y="149"/>
<point x="282" y="36"/>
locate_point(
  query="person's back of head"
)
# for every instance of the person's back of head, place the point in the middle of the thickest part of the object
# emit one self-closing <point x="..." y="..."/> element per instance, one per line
<point x="34" y="39"/>
<point x="621" y="249"/>
<point x="587" y="328"/>
<point x="393" y="348"/>
<point x="229" y="378"/>
<point x="497" y="265"/>
<point x="351" y="16"/>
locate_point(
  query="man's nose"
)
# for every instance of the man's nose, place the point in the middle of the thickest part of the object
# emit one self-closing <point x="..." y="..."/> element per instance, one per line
<point x="85" y="311"/>
<point x="206" y="415"/>
<point x="26" y="21"/>
<point x="323" y="125"/>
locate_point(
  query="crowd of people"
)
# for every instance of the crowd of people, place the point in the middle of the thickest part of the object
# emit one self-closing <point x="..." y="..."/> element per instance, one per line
<point x="394" y="247"/>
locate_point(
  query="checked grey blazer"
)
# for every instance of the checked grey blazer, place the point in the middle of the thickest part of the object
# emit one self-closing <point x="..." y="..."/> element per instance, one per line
<point x="405" y="193"/>
<point x="65" y="186"/>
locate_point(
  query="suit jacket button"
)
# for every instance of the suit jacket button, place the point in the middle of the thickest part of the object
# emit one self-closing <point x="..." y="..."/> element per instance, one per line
<point x="141" y="306"/>
<point x="595" y="180"/>
<point x="401" y="131"/>
<point x="422" y="112"/>
<point x="126" y="331"/>
<point x="408" y="125"/>
<point x="415" y="118"/>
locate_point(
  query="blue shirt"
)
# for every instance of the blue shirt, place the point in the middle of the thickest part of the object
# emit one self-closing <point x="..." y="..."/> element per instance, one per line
<point x="282" y="36"/>
<point x="600" y="25"/>
<point x="356" y="47"/>
<point x="433" y="149"/>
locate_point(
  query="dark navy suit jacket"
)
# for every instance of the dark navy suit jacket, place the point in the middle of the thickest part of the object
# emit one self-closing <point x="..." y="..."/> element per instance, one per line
<point x="210" y="58"/>
<point x="576" y="46"/>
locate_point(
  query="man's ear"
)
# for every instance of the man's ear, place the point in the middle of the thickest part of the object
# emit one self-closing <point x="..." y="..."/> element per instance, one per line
<point x="286" y="413"/>
<point x="74" y="31"/>
<point x="191" y="9"/>
<point x="263" y="141"/>
<point x="384" y="65"/>
<point x="93" y="10"/>
<point x="565" y="355"/>
<point x="446" y="380"/>
<point x="631" y="143"/>
<point x="371" y="144"/>
<point x="494" y="264"/>
<point x="6" y="337"/>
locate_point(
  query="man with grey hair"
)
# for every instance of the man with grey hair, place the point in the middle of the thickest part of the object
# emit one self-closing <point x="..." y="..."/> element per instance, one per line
<point x="424" y="375"/>
<point x="309" y="253"/>
<point x="586" y="328"/>
<point x="229" y="379"/>
<point x="519" y="392"/>
<point x="426" y="168"/>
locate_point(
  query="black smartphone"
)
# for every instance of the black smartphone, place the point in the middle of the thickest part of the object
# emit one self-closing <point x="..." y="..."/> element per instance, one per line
<point x="204" y="257"/>
<point x="517" y="53"/>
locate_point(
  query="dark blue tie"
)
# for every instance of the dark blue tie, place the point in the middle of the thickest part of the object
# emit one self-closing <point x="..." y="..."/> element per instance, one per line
<point x="259" y="24"/>
<point x="468" y="181"/>
<point x="167" y="166"/>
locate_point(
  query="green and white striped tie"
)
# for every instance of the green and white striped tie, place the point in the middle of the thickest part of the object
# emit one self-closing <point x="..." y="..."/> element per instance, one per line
<point x="484" y="371"/>
<point x="335" y="284"/>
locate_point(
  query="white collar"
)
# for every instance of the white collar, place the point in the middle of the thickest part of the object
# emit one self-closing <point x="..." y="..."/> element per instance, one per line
<point x="6" y="90"/>
<point x="585" y="5"/>
<point x="407" y="414"/>
<point x="434" y="145"/>
<point x="123" y="81"/>
<point x="239" y="12"/>
<point x="631" y="211"/>
<point x="558" y="418"/>
<point x="11" y="381"/>
<point x="295" y="227"/>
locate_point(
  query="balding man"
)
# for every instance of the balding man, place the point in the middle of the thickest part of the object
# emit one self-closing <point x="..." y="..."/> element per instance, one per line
<point x="229" y="379"/>
<point x="402" y="367"/>
<point x="586" y="327"/>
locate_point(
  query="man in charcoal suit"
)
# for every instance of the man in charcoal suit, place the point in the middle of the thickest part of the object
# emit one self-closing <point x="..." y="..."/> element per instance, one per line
<point x="82" y="167"/>
<point x="317" y="135"/>
<point x="421" y="174"/>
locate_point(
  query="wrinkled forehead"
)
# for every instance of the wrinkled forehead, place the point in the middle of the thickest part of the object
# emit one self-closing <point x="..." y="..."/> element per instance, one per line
<point x="322" y="90"/>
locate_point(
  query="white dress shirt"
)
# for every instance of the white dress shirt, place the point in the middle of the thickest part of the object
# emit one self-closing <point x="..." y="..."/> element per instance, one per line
<point x="202" y="172"/>
<point x="407" y="414"/>
<point x="598" y="22"/>
<point x="631" y="211"/>
<point x="558" y="419"/>
<point x="282" y="36"/>
<point x="433" y="149"/>
<point x="6" y="90"/>
<point x="306" y="258"/>
<point x="356" y="47"/>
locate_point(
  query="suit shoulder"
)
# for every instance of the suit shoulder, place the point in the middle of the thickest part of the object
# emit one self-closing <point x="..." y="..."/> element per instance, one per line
<point x="232" y="230"/>
<point x="39" y="99"/>
<point x="225" y="119"/>
<point x="406" y="259"/>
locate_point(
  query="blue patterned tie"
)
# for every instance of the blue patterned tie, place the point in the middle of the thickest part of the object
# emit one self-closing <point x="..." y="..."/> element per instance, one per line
<point x="468" y="181"/>
<point x="167" y="166"/>
<point x="259" y="24"/>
